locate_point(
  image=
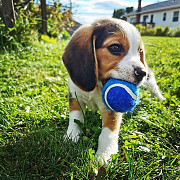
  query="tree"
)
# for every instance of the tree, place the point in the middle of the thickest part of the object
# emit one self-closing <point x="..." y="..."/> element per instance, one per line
<point x="7" y="12"/>
<point x="44" y="16"/>
<point x="129" y="9"/>
<point x="119" y="13"/>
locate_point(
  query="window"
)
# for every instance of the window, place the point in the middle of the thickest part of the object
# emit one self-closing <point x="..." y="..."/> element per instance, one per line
<point x="133" y="20"/>
<point x="145" y="18"/>
<point x="164" y="17"/>
<point x="175" y="16"/>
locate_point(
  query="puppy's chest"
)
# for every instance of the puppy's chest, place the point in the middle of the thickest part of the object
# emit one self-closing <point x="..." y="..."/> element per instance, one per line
<point x="91" y="99"/>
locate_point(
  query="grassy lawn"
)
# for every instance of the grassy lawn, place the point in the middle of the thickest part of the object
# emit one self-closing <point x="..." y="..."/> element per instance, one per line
<point x="34" y="118"/>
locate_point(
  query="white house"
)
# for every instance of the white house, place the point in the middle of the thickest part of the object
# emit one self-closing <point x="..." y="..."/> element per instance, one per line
<point x="166" y="13"/>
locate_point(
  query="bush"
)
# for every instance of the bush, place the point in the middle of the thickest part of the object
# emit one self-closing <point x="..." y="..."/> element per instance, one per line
<point x="25" y="28"/>
<point x="149" y="30"/>
<point x="167" y="31"/>
<point x="58" y="19"/>
<point x="177" y="32"/>
<point x="145" y="30"/>
<point x="158" y="31"/>
<point x="141" y="28"/>
<point x="6" y="40"/>
<point x="23" y="34"/>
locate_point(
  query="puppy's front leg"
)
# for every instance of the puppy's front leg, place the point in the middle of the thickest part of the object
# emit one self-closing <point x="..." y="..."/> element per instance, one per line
<point x="75" y="113"/>
<point x="108" y="139"/>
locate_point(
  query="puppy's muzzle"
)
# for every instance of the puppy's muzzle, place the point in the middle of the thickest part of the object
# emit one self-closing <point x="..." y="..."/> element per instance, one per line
<point x="139" y="74"/>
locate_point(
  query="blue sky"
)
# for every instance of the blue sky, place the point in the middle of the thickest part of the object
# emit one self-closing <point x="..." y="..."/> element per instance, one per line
<point x="86" y="11"/>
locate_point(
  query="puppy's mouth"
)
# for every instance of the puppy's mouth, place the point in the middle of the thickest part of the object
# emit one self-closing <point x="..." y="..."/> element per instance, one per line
<point x="137" y="82"/>
<point x="105" y="81"/>
<point x="137" y="77"/>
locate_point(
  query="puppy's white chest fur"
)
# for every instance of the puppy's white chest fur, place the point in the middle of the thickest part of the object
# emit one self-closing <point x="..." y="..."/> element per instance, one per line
<point x="91" y="99"/>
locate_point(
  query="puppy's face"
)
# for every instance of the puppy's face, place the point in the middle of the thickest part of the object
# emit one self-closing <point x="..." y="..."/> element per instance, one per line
<point x="108" y="48"/>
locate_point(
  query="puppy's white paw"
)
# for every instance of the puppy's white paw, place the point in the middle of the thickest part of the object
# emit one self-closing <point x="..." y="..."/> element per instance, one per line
<point x="108" y="145"/>
<point x="103" y="158"/>
<point x="73" y="133"/>
<point x="74" y="130"/>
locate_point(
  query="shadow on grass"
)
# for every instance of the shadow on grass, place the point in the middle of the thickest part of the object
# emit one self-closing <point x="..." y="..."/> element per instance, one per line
<point x="43" y="154"/>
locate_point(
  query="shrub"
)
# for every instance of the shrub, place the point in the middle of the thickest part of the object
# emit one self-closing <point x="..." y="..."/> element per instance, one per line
<point x="149" y="31"/>
<point x="167" y="31"/>
<point x="6" y="41"/>
<point x="158" y="31"/>
<point x="23" y="33"/>
<point x="141" y="28"/>
<point x="25" y="27"/>
<point x="177" y="32"/>
<point x="64" y="35"/>
<point x="58" y="19"/>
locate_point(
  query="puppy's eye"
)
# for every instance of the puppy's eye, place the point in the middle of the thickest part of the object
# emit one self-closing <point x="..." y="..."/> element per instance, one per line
<point x="116" y="49"/>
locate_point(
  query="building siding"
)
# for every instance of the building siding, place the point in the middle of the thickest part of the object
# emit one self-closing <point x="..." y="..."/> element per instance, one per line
<point x="158" y="18"/>
<point x="166" y="13"/>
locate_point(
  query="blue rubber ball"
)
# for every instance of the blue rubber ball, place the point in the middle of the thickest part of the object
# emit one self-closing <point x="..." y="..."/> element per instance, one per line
<point x="120" y="96"/>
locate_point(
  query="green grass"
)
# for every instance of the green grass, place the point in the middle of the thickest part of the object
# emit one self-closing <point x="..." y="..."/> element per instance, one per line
<point x="34" y="118"/>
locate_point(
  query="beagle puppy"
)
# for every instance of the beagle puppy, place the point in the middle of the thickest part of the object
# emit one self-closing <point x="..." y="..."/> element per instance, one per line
<point x="108" y="48"/>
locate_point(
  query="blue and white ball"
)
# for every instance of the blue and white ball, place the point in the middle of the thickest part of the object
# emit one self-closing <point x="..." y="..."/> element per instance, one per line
<point x="120" y="96"/>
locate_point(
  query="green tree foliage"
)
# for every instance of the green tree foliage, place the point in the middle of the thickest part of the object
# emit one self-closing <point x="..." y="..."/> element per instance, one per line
<point x="119" y="13"/>
<point x="129" y="9"/>
<point x="59" y="17"/>
<point x="29" y="23"/>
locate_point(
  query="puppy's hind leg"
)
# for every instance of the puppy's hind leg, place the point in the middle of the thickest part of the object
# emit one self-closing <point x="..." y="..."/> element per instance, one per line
<point x="151" y="85"/>
<point x="75" y="114"/>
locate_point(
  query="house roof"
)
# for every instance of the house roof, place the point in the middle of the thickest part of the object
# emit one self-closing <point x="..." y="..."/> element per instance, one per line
<point x="165" y="5"/>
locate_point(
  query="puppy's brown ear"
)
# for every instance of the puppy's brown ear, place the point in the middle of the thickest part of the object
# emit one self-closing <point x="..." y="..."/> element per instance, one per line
<point x="80" y="58"/>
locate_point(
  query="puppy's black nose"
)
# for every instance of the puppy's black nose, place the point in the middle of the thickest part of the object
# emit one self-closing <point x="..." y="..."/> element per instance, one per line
<point x="139" y="73"/>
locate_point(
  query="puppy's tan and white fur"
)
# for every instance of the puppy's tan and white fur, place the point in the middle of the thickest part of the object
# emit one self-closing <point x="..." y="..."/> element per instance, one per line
<point x="108" y="48"/>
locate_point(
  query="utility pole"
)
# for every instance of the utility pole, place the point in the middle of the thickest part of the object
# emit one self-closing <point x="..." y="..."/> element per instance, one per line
<point x="44" y="16"/>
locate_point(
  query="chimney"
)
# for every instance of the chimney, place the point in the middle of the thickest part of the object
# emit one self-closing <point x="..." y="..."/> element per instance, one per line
<point x="138" y="10"/>
<point x="139" y="6"/>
